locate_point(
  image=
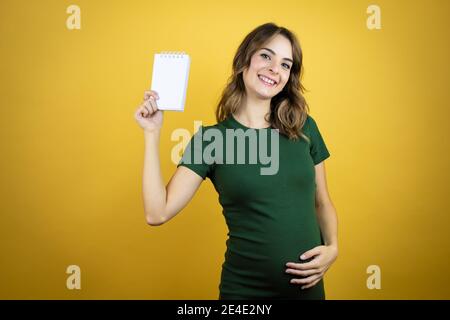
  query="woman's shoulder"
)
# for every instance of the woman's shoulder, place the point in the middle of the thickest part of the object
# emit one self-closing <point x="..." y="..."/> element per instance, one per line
<point x="221" y="125"/>
<point x="307" y="123"/>
<point x="310" y="122"/>
<point x="204" y="128"/>
<point x="310" y="126"/>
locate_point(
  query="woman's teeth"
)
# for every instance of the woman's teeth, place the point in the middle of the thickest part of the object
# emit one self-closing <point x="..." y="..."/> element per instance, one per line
<point x="266" y="81"/>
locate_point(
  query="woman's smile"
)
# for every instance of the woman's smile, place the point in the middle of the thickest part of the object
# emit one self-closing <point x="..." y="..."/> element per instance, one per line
<point x="266" y="81"/>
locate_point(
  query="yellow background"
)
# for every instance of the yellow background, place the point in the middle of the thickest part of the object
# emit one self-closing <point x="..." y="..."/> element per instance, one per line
<point x="72" y="153"/>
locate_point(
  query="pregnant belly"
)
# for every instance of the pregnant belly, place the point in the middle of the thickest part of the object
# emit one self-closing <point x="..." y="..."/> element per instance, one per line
<point x="256" y="262"/>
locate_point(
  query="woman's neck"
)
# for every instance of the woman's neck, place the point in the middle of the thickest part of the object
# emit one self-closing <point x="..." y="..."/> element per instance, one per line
<point x="252" y="112"/>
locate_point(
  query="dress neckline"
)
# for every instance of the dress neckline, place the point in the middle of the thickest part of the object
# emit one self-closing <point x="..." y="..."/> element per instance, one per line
<point x="240" y="125"/>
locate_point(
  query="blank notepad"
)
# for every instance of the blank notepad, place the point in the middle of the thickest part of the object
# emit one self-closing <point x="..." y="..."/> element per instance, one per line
<point x="170" y="79"/>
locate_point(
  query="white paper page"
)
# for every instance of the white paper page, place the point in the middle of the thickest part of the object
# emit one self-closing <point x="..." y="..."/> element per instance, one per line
<point x="170" y="80"/>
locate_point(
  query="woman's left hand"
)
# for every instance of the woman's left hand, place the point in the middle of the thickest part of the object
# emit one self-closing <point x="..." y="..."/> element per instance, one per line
<point x="314" y="270"/>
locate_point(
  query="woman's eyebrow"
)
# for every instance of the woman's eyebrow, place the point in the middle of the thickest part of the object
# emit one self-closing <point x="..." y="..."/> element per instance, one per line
<point x="273" y="52"/>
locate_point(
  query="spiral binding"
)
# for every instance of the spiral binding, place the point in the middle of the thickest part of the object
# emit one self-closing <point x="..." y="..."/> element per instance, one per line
<point x="173" y="54"/>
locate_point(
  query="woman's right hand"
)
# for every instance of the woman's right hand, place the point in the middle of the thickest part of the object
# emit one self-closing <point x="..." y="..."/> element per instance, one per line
<point x="147" y="115"/>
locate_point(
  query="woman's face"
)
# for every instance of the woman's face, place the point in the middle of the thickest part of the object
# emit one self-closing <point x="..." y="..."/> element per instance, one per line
<point x="273" y="61"/>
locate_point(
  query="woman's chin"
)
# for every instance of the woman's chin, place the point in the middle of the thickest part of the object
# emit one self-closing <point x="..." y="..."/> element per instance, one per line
<point x="266" y="96"/>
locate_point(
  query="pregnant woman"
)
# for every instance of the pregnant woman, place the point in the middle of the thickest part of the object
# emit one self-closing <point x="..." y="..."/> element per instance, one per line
<point x="282" y="224"/>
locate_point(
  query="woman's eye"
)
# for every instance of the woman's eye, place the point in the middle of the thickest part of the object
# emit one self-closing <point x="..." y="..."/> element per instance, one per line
<point x="265" y="55"/>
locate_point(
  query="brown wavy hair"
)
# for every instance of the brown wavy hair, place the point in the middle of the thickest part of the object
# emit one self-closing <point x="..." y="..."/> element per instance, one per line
<point x="288" y="109"/>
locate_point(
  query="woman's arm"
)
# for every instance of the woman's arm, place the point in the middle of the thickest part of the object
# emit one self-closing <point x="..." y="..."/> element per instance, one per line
<point x="153" y="189"/>
<point x="326" y="213"/>
<point x="162" y="203"/>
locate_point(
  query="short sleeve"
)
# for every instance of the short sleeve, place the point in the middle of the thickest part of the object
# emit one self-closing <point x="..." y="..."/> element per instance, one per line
<point x="317" y="147"/>
<point x="193" y="156"/>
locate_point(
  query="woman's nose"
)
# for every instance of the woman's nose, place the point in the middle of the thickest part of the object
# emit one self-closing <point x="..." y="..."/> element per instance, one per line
<point x="274" y="68"/>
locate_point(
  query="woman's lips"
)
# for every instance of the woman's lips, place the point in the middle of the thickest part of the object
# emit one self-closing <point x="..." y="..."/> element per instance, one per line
<point x="266" y="84"/>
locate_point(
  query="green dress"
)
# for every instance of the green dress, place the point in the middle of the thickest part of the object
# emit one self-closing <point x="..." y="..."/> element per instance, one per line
<point x="271" y="218"/>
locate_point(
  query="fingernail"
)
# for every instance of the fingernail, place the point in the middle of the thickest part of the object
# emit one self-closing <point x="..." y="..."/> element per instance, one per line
<point x="302" y="288"/>
<point x="302" y="257"/>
